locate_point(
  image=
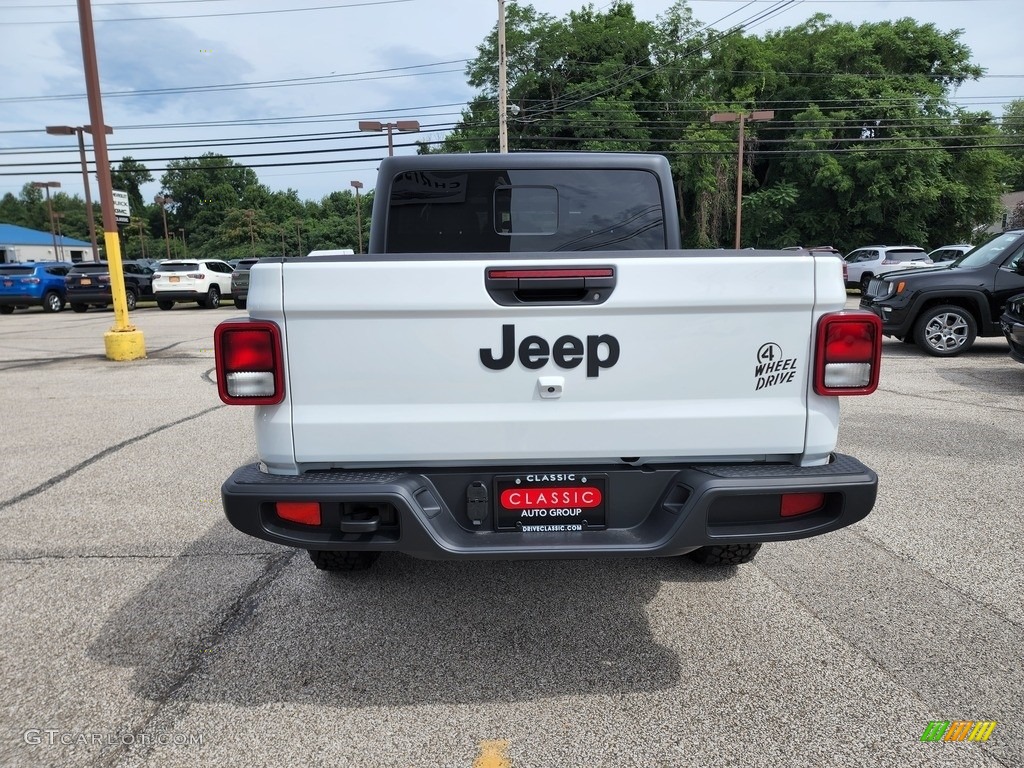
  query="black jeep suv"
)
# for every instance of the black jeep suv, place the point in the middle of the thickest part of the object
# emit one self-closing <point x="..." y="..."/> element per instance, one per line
<point x="945" y="308"/>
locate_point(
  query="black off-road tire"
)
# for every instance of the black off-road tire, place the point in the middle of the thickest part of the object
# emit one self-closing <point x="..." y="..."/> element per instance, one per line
<point x="725" y="554"/>
<point x="342" y="561"/>
<point x="52" y="302"/>
<point x="165" y="304"/>
<point x="946" y="330"/>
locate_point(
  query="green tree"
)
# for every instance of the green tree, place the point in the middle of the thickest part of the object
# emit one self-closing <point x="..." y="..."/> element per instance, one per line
<point x="1012" y="131"/>
<point x="204" y="190"/>
<point x="129" y="175"/>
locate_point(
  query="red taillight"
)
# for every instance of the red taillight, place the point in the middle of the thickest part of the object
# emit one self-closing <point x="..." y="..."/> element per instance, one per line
<point x="32" y="280"/>
<point x="794" y="504"/>
<point x="249" y="362"/>
<point x="196" y="275"/>
<point x="304" y="512"/>
<point x="848" y="353"/>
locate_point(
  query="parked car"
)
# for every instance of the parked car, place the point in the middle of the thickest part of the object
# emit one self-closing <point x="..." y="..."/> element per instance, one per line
<point x="203" y="281"/>
<point x="950" y="252"/>
<point x="30" y="284"/>
<point x="1012" y="323"/>
<point x="945" y="308"/>
<point x="865" y="263"/>
<point x="240" y="281"/>
<point x="89" y="283"/>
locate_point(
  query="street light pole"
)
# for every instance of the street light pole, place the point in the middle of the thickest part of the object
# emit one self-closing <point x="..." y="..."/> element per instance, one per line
<point x="742" y="117"/>
<point x="402" y="126"/>
<point x="49" y="208"/>
<point x="57" y="216"/>
<point x="357" y="185"/>
<point x="184" y="246"/>
<point x="163" y="201"/>
<point x="68" y="130"/>
<point x="142" y="238"/>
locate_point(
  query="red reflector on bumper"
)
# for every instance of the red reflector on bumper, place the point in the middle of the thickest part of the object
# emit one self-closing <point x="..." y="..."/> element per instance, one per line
<point x="801" y="503"/>
<point x="304" y="512"/>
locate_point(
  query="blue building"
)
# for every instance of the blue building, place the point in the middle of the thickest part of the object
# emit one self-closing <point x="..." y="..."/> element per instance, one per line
<point x="24" y="244"/>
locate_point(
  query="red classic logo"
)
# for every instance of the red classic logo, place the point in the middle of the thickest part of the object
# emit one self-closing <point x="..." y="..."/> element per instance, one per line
<point x="543" y="498"/>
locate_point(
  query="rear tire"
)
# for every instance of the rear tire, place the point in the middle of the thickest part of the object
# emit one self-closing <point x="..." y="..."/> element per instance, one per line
<point x="6" y="310"/>
<point x="212" y="300"/>
<point x="131" y="298"/>
<point x="165" y="304"/>
<point x="79" y="308"/>
<point x="342" y="561"/>
<point x="52" y="302"/>
<point x="865" y="280"/>
<point x="239" y="303"/>
<point x="725" y="554"/>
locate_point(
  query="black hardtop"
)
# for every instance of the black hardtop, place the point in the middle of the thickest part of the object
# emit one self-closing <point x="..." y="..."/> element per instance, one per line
<point x="392" y="166"/>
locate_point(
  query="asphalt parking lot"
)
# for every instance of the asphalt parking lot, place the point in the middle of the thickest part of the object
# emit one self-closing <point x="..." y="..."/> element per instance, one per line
<point x="140" y="629"/>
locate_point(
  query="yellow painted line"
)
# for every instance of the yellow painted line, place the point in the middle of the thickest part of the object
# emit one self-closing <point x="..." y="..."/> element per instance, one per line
<point x="493" y="754"/>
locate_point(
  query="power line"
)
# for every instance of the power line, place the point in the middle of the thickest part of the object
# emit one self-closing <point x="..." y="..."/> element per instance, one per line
<point x="217" y="15"/>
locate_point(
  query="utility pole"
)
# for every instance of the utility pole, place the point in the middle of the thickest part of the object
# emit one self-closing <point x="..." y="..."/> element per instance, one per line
<point x="502" y="82"/>
<point x="123" y="341"/>
<point x="357" y="185"/>
<point x="163" y="201"/>
<point x="742" y="117"/>
<point x="252" y="238"/>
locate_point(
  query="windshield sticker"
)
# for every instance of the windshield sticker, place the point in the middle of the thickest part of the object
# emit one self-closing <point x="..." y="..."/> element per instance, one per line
<point x="773" y="367"/>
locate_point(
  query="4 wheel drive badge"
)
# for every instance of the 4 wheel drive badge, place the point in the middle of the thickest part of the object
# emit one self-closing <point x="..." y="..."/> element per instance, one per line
<point x="773" y="367"/>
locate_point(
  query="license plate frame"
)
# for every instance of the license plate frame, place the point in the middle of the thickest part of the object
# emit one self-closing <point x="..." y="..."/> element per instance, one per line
<point x="551" y="502"/>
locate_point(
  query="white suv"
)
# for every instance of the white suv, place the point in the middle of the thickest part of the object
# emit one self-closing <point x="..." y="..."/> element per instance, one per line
<point x="203" y="281"/>
<point x="871" y="260"/>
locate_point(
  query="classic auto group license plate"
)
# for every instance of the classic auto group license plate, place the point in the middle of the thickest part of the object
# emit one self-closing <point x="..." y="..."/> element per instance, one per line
<point x="550" y="502"/>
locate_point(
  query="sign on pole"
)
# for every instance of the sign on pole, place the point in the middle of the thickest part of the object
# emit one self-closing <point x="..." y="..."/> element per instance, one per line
<point x="122" y="209"/>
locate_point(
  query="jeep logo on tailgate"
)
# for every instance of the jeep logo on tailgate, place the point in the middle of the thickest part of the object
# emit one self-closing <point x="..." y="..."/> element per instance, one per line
<point x="567" y="352"/>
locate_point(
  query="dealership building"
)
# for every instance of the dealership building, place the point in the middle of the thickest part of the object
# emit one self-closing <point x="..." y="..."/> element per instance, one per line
<point x="23" y="244"/>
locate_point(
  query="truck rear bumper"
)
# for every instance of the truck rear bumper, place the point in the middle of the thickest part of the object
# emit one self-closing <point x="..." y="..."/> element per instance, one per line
<point x="650" y="511"/>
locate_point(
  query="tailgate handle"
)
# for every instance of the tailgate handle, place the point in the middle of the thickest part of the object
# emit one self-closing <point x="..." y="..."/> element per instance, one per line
<point x="547" y="286"/>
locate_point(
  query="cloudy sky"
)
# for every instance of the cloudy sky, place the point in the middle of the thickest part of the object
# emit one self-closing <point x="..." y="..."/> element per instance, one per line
<point x="214" y="74"/>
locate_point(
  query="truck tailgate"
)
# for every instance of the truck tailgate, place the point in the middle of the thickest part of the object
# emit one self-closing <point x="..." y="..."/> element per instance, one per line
<point x="692" y="355"/>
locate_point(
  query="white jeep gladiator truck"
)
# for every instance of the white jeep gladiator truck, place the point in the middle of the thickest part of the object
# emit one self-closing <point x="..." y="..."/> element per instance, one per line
<point x="527" y="365"/>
